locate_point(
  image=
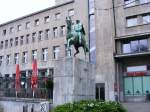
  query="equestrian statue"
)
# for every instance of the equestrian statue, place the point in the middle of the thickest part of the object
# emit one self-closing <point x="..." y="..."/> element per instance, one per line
<point x="76" y="36"/>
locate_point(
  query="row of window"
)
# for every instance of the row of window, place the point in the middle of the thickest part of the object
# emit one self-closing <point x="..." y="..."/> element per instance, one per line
<point x="138" y="20"/>
<point x="135" y="46"/>
<point x="40" y="35"/>
<point x="130" y="3"/>
<point x="25" y="57"/>
<point x="36" y="22"/>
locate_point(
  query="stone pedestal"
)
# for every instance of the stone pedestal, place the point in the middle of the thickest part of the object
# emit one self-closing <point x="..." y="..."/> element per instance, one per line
<point x="74" y="80"/>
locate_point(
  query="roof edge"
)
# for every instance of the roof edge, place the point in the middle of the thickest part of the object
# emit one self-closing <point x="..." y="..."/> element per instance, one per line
<point x="37" y="12"/>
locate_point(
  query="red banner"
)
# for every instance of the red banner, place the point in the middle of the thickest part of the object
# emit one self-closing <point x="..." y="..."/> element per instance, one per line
<point x="17" y="81"/>
<point x="34" y="77"/>
<point x="143" y="73"/>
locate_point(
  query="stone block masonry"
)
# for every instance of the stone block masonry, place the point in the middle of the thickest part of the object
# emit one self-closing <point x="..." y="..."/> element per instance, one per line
<point x="74" y="80"/>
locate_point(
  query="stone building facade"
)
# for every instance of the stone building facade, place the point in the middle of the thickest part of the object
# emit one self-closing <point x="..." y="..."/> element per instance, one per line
<point x="41" y="36"/>
<point x="122" y="48"/>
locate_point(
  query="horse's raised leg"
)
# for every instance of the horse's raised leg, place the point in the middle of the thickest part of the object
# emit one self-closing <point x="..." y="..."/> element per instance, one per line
<point x="77" y="51"/>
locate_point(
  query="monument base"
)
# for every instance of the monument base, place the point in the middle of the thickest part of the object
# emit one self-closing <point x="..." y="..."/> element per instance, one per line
<point x="74" y="80"/>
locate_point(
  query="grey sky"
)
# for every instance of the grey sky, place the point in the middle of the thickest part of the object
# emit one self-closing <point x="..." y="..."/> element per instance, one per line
<point x="11" y="9"/>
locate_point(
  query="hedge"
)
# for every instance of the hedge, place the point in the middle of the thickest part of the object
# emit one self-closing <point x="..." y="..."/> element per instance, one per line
<point x="90" y="106"/>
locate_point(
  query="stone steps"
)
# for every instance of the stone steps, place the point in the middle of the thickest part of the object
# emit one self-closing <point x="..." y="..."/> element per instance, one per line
<point x="137" y="106"/>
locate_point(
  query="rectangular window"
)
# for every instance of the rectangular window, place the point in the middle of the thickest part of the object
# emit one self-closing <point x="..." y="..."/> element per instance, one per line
<point x="134" y="46"/>
<point x="16" y="58"/>
<point x="11" y="30"/>
<point x="1" y="60"/>
<point x="46" y="19"/>
<point x="27" y="38"/>
<point x="62" y="30"/>
<point x="19" y="27"/>
<point x="91" y="6"/>
<point x="2" y="44"/>
<point x="7" y="59"/>
<point x="71" y="12"/>
<point x="16" y="41"/>
<point x="55" y="31"/>
<point x="34" y="54"/>
<point x="44" y="54"/>
<point x="47" y="33"/>
<point x="11" y="42"/>
<point x="143" y="45"/>
<point x="146" y="19"/>
<point x="6" y="43"/>
<point x="27" y="25"/>
<point x="144" y="1"/>
<point x="132" y="21"/>
<point x="21" y="40"/>
<point x="36" y="22"/>
<point x="57" y="16"/>
<point x="25" y="56"/>
<point x="56" y="51"/>
<point x="33" y="37"/>
<point x="126" y="47"/>
<point x="130" y="3"/>
<point x="40" y="35"/>
<point x="4" y="32"/>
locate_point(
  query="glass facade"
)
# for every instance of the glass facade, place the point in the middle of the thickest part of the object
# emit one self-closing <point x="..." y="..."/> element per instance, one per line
<point x="92" y="36"/>
<point x="137" y="85"/>
<point x="135" y="46"/>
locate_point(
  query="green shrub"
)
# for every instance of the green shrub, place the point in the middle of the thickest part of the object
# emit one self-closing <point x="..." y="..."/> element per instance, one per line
<point x="90" y="106"/>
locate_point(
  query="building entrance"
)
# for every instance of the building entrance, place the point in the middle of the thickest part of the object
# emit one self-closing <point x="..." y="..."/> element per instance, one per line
<point x="100" y="91"/>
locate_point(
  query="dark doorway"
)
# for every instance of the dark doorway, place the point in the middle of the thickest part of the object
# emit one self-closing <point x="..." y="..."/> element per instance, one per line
<point x="100" y="91"/>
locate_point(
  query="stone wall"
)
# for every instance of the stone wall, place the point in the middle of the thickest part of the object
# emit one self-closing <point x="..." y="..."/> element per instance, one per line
<point x="18" y="105"/>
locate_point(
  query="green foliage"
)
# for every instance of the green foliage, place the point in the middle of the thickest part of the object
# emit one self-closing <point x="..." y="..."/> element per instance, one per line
<point x="90" y="106"/>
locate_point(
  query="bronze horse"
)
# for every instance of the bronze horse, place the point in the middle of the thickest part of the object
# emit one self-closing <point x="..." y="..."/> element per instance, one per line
<point x="73" y="38"/>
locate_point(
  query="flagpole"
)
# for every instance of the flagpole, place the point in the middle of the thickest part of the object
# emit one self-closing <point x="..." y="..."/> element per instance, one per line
<point x="16" y="94"/>
<point x="33" y="93"/>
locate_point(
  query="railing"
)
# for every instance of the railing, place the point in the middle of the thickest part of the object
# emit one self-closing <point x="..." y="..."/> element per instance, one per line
<point x="7" y="88"/>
